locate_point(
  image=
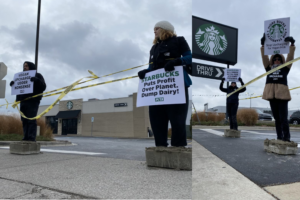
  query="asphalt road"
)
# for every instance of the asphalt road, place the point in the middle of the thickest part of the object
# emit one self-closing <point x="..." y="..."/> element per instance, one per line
<point x="246" y="155"/>
<point x="129" y="149"/>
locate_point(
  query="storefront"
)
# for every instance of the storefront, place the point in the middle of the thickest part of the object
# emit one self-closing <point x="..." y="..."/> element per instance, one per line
<point x="104" y="118"/>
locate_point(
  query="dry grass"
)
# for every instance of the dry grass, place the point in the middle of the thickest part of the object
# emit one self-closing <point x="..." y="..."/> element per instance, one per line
<point x="208" y="117"/>
<point x="12" y="124"/>
<point x="247" y="116"/>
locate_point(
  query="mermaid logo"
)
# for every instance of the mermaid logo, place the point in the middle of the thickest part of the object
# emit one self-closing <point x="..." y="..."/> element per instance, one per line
<point x="277" y="31"/>
<point x="211" y="39"/>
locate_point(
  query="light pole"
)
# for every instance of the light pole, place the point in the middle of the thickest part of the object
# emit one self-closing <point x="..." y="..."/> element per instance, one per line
<point x="37" y="35"/>
<point x="250" y="99"/>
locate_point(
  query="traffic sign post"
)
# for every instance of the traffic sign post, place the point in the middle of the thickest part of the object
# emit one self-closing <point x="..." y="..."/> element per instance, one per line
<point x="3" y="73"/>
<point x="207" y="71"/>
<point x="92" y="119"/>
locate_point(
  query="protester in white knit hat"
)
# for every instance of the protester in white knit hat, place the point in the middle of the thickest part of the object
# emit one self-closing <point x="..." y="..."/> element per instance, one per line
<point x="168" y="51"/>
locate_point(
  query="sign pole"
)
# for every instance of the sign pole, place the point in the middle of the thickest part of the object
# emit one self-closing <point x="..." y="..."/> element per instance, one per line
<point x="37" y="35"/>
<point x="226" y="97"/>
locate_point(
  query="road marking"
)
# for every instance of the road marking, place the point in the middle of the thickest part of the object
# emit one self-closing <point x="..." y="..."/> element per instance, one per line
<point x="66" y="152"/>
<point x="219" y="133"/>
<point x="254" y="132"/>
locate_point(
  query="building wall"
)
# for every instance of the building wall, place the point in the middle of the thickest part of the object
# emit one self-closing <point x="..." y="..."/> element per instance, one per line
<point x="77" y="105"/>
<point x="52" y="112"/>
<point x="107" y="105"/>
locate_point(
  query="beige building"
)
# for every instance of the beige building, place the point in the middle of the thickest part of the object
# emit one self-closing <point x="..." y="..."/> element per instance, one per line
<point x="111" y="118"/>
<point x="104" y="118"/>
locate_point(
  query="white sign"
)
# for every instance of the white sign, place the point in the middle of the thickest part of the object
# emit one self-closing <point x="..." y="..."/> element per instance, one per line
<point x="22" y="84"/>
<point x="3" y="73"/>
<point x="276" y="30"/>
<point x="160" y="87"/>
<point x="232" y="75"/>
<point x="92" y="119"/>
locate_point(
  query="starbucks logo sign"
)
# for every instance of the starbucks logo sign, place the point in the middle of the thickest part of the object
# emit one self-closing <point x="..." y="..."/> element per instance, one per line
<point x="277" y="31"/>
<point x="70" y="105"/>
<point x="211" y="39"/>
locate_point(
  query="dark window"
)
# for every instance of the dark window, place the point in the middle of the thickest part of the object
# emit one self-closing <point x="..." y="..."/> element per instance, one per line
<point x="52" y="121"/>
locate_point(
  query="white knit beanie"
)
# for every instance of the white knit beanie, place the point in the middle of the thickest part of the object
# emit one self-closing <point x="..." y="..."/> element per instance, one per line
<point x="165" y="25"/>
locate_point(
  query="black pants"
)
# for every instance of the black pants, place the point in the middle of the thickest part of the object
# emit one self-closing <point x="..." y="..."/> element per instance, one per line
<point x="161" y="115"/>
<point x="232" y="110"/>
<point x="280" y="112"/>
<point x="29" y="109"/>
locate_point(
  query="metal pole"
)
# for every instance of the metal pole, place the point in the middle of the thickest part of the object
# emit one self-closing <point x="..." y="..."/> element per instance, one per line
<point x="37" y="35"/>
<point x="226" y="97"/>
<point x="92" y="129"/>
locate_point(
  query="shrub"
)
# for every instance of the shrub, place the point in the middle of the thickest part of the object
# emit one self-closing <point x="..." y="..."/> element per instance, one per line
<point x="12" y="124"/>
<point x="208" y="117"/>
<point x="247" y="116"/>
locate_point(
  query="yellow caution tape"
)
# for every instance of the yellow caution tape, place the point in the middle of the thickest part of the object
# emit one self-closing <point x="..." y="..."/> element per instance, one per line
<point x="94" y="77"/>
<point x="265" y="74"/>
<point x="261" y="95"/>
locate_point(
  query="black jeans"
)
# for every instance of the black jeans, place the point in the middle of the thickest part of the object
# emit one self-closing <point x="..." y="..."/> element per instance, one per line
<point x="161" y="115"/>
<point x="29" y="109"/>
<point x="232" y="110"/>
<point x="280" y="112"/>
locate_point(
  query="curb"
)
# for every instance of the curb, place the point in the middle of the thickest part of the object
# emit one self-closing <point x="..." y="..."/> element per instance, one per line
<point x="242" y="127"/>
<point x="43" y="143"/>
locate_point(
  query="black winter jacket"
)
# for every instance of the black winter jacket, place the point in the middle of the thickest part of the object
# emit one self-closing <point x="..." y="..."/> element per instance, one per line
<point x="163" y="51"/>
<point x="233" y="98"/>
<point x="38" y="87"/>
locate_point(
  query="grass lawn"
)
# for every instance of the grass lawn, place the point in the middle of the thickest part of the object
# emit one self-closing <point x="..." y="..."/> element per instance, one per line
<point x="16" y="137"/>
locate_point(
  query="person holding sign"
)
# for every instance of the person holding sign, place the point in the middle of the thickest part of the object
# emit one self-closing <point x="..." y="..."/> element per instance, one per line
<point x="232" y="102"/>
<point x="276" y="89"/>
<point x="30" y="107"/>
<point x="169" y="51"/>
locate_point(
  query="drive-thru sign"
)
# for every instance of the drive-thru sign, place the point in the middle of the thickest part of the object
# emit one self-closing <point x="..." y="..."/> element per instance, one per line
<point x="207" y="71"/>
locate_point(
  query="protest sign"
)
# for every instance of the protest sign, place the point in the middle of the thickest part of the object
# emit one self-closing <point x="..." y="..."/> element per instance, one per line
<point x="232" y="75"/>
<point x="22" y="84"/>
<point x="160" y="87"/>
<point x="276" y="30"/>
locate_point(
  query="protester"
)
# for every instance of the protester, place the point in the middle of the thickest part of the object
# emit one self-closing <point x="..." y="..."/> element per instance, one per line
<point x="232" y="102"/>
<point x="30" y="107"/>
<point x="168" y="51"/>
<point x="276" y="89"/>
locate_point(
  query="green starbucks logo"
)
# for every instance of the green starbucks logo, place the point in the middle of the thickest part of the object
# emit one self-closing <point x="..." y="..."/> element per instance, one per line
<point x="211" y="39"/>
<point x="277" y="31"/>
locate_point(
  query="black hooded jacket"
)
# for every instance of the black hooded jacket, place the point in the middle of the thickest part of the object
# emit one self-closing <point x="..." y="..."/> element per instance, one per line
<point x="235" y="97"/>
<point x="38" y="87"/>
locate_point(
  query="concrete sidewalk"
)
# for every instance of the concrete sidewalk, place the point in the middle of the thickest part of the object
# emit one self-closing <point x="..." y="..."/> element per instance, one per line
<point x="213" y="179"/>
<point x="55" y="175"/>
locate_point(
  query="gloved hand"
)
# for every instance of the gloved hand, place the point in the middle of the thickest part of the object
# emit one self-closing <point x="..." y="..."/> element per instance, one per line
<point x="223" y="79"/>
<point x="262" y="40"/>
<point x="34" y="79"/>
<point x="11" y="83"/>
<point x="170" y="65"/>
<point x="290" y="39"/>
<point x="241" y="80"/>
<point x="142" y="73"/>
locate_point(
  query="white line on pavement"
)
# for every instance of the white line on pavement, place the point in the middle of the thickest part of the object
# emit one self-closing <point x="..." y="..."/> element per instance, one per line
<point x="219" y="133"/>
<point x="67" y="152"/>
<point x="254" y="132"/>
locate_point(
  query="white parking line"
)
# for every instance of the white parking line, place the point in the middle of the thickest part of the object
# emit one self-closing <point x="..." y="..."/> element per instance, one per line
<point x="254" y="132"/>
<point x="219" y="133"/>
<point x="66" y="152"/>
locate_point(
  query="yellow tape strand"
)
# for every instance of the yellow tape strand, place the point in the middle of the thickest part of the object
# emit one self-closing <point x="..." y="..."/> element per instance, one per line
<point x="265" y="74"/>
<point x="94" y="77"/>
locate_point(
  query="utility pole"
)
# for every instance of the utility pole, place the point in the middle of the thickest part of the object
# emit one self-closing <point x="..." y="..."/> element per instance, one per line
<point x="37" y="34"/>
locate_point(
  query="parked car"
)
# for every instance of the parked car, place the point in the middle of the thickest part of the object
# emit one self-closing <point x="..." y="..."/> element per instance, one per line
<point x="264" y="116"/>
<point x="295" y="118"/>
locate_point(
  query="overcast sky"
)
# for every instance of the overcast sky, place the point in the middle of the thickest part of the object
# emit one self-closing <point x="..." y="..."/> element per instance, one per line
<point x="76" y="36"/>
<point x="248" y="17"/>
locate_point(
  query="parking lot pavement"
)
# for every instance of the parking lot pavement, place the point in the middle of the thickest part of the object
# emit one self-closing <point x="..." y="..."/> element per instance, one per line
<point x="247" y="156"/>
<point x="119" y="172"/>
